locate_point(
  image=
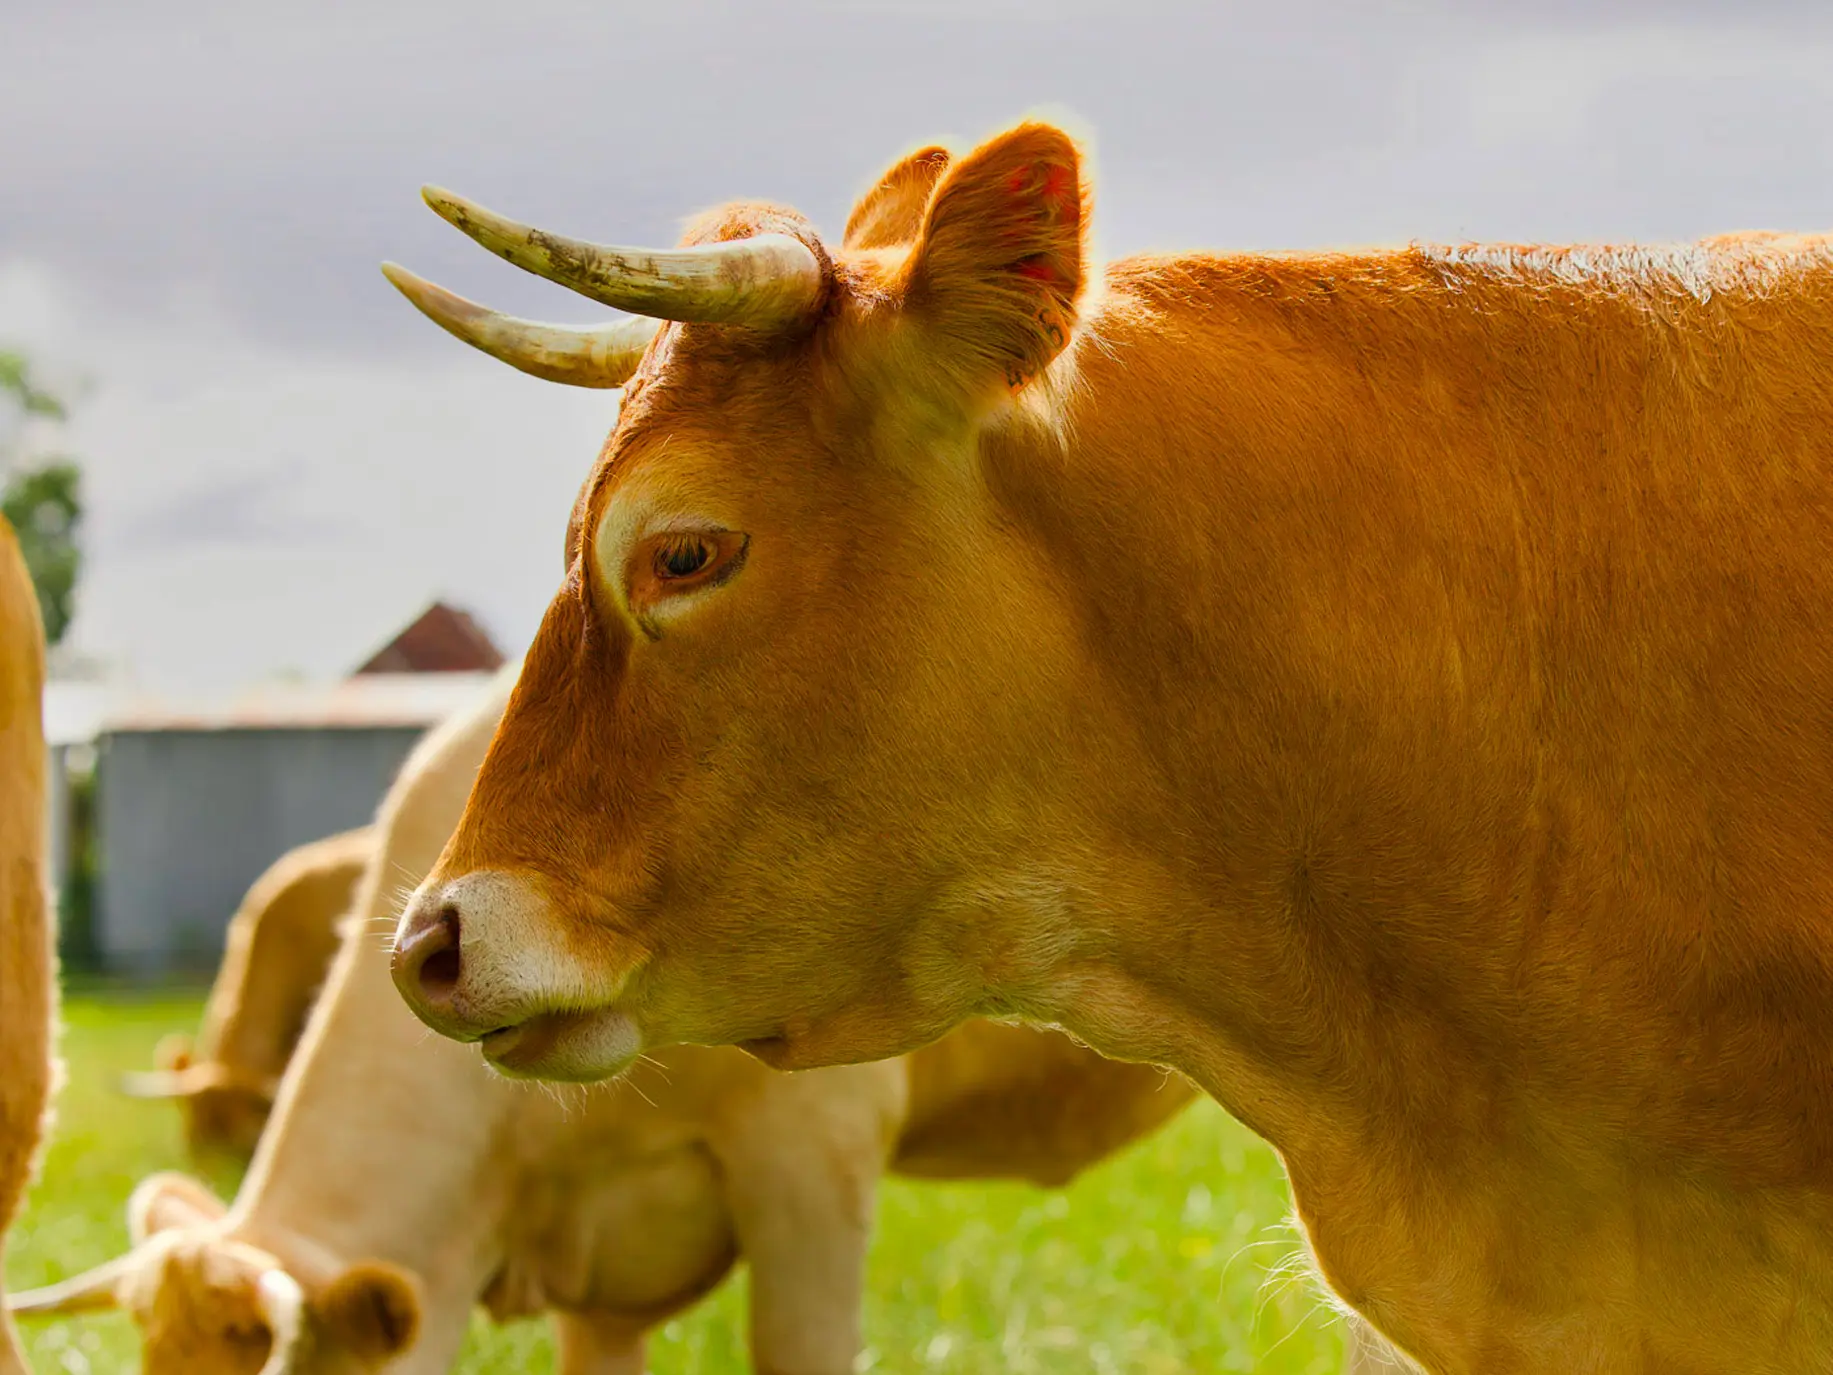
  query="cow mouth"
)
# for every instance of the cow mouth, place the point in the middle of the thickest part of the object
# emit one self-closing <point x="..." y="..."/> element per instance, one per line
<point x="575" y="1047"/>
<point x="773" y="1051"/>
<point x="503" y="1041"/>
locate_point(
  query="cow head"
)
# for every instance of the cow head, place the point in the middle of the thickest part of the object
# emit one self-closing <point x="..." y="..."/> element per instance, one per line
<point x="208" y="1304"/>
<point x="225" y="1108"/>
<point x="783" y="764"/>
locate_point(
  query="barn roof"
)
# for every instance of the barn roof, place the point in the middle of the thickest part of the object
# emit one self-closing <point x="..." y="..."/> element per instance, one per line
<point x="437" y="664"/>
<point x="373" y="700"/>
<point x="442" y="639"/>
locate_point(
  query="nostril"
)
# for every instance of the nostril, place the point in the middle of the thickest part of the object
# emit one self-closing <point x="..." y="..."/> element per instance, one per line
<point x="439" y="973"/>
<point x="434" y="955"/>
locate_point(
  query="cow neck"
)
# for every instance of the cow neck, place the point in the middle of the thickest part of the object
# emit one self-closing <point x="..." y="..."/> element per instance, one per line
<point x="379" y="1128"/>
<point x="1324" y="533"/>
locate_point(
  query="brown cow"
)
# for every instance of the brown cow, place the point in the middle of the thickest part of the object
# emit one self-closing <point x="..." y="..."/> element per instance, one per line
<point x="276" y="951"/>
<point x="28" y="985"/>
<point x="402" y="1181"/>
<point x="1393" y="686"/>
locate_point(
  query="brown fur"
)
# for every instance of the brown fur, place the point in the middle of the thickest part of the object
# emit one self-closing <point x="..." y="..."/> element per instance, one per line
<point x="613" y="1209"/>
<point x="28" y="987"/>
<point x="890" y="212"/>
<point x="194" y="1291"/>
<point x="1392" y="686"/>
<point x="278" y="946"/>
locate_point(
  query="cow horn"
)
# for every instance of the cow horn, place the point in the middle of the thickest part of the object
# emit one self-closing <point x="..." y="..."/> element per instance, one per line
<point x="156" y="1083"/>
<point x="198" y="1077"/>
<point x="167" y="1083"/>
<point x="763" y="281"/>
<point x="282" y="1302"/>
<point x="82" y="1293"/>
<point x="600" y="357"/>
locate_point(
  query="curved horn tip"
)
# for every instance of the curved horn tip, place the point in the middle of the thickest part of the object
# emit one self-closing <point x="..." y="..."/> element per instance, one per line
<point x="152" y="1083"/>
<point x="417" y="288"/>
<point x="765" y="280"/>
<point x="603" y="356"/>
<point x="448" y="205"/>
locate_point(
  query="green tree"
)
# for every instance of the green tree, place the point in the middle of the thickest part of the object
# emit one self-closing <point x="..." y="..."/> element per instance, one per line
<point x="42" y="501"/>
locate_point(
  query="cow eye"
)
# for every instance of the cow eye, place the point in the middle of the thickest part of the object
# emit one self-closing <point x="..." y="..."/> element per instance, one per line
<point x="682" y="556"/>
<point x="682" y="561"/>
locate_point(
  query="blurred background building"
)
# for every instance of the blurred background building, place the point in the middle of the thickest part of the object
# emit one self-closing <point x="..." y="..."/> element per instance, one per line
<point x="164" y="811"/>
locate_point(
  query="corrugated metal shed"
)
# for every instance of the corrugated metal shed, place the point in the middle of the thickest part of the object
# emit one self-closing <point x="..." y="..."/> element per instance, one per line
<point x="196" y="798"/>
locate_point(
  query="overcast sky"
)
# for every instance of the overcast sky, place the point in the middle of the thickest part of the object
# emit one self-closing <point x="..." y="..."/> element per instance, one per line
<point x="284" y="460"/>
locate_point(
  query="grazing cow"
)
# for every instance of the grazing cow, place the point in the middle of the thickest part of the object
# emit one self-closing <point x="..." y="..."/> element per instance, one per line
<point x="1393" y="686"/>
<point x="348" y="1244"/>
<point x="275" y="954"/>
<point x="28" y="984"/>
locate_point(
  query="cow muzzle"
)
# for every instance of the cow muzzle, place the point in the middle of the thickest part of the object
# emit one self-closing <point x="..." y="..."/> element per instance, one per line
<point x="477" y="958"/>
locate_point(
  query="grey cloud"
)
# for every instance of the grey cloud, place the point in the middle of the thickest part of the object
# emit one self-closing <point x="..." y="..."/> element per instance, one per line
<point x="203" y="191"/>
<point x="275" y="159"/>
<point x="248" y="510"/>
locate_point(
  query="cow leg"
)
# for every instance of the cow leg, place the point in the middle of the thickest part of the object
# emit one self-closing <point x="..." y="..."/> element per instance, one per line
<point x="801" y="1174"/>
<point x="597" y="1344"/>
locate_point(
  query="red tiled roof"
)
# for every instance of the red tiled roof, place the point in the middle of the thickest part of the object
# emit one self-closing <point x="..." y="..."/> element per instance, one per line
<point x="443" y="640"/>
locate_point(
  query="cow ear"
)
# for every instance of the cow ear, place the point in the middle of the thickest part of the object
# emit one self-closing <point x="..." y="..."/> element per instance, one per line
<point x="163" y="1201"/>
<point x="892" y="211"/>
<point x="372" y="1310"/>
<point x="999" y="265"/>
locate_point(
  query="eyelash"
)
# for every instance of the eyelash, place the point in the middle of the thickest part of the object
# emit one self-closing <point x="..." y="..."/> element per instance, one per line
<point x="684" y="561"/>
<point x="673" y="550"/>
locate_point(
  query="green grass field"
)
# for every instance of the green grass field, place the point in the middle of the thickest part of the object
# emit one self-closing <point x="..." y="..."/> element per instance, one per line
<point x="1174" y="1257"/>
